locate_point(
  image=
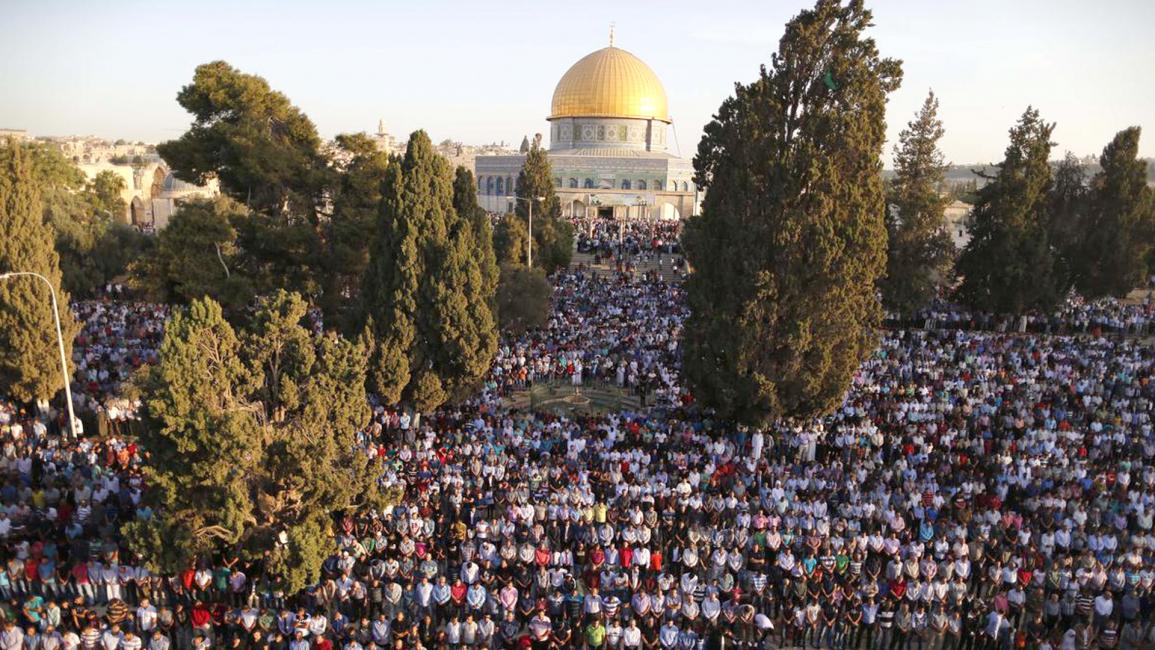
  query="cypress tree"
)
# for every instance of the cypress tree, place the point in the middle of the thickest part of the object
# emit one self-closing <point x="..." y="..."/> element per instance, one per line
<point x="1119" y="225"/>
<point x="1066" y="215"/>
<point x="425" y="290"/>
<point x="509" y="241"/>
<point x="552" y="236"/>
<point x="919" y="248"/>
<point x="466" y="282"/>
<point x="465" y="203"/>
<point x="356" y="195"/>
<point x="29" y="354"/>
<point x="1009" y="265"/>
<point x="791" y="240"/>
<point x="201" y="443"/>
<point x="390" y="289"/>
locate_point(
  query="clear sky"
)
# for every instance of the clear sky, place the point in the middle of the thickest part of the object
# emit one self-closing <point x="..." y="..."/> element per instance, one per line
<point x="484" y="71"/>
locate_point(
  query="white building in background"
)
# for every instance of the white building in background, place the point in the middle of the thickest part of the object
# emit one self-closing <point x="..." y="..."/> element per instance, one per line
<point x="608" y="146"/>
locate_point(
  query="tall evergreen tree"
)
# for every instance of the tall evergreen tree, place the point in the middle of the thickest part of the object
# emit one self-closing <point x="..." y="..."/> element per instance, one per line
<point x="791" y="239"/>
<point x="465" y="203"/>
<point x="29" y="354"/>
<point x="919" y="248"/>
<point x="1120" y="224"/>
<point x="356" y="197"/>
<point x="552" y="236"/>
<point x="428" y="298"/>
<point x="1067" y="213"/>
<point x="510" y="241"/>
<point x="465" y="282"/>
<point x="253" y="441"/>
<point x="1009" y="265"/>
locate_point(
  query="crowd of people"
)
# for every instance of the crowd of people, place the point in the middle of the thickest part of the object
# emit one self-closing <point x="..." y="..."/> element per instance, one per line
<point x="617" y="329"/>
<point x="976" y="489"/>
<point x="116" y="338"/>
<point x="1109" y="316"/>
<point x="609" y="239"/>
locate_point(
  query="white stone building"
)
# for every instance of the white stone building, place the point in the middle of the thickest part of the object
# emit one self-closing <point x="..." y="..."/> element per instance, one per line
<point x="608" y="146"/>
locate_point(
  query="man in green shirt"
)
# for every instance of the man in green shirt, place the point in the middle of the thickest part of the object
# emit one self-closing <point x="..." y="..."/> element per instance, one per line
<point x="595" y="633"/>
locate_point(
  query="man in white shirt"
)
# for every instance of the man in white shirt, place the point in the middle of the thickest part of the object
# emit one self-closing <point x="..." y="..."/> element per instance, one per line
<point x="632" y="635"/>
<point x="111" y="638"/>
<point x="145" y="617"/>
<point x="1104" y="607"/>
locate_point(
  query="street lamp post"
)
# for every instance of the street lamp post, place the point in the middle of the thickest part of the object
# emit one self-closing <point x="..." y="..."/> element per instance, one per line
<point x="529" y="201"/>
<point x="59" y="342"/>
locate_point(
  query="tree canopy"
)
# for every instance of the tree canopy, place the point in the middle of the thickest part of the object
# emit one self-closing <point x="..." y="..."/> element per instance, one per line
<point x="29" y="353"/>
<point x="356" y="196"/>
<point x="253" y="440"/>
<point x="267" y="156"/>
<point x="1066" y="213"/>
<point x="1119" y="226"/>
<point x="1010" y="266"/>
<point x="522" y="298"/>
<point x="791" y="240"/>
<point x="428" y="301"/>
<point x="264" y="151"/>
<point x="510" y="240"/>
<point x="94" y="244"/>
<point x="197" y="256"/>
<point x="920" y="252"/>
<point x="465" y="202"/>
<point x="552" y="236"/>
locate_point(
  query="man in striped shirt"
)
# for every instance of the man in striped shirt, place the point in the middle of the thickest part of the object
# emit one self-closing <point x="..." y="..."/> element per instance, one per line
<point x="90" y="638"/>
<point x="130" y="641"/>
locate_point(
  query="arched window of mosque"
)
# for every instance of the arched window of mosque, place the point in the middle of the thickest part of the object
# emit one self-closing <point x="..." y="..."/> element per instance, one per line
<point x="500" y="185"/>
<point x="489" y="185"/>
<point x="658" y="185"/>
<point x="589" y="185"/>
<point x="557" y="182"/>
<point x="573" y="183"/>
<point x="626" y="184"/>
<point x="685" y="186"/>
<point x="641" y="185"/>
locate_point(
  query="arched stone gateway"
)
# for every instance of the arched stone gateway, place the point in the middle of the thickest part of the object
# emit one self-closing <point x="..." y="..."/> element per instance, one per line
<point x="668" y="212"/>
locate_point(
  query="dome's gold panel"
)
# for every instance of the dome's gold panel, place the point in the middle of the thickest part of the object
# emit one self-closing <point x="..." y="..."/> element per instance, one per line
<point x="610" y="82"/>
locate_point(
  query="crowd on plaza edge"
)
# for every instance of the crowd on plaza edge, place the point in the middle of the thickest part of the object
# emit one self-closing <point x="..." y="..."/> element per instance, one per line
<point x="1076" y="316"/>
<point x="977" y="489"/>
<point x="645" y="241"/>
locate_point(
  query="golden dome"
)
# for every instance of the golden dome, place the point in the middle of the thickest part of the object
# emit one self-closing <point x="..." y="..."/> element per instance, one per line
<point x="610" y="82"/>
